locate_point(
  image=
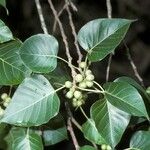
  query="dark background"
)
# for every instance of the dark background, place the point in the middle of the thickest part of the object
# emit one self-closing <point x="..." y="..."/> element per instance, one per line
<point x="23" y="20"/>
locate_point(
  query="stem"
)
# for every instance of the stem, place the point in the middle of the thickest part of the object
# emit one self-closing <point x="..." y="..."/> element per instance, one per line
<point x="84" y="113"/>
<point x="70" y="128"/>
<point x="39" y="9"/>
<point x="76" y="124"/>
<point x="109" y="14"/>
<point x="133" y="65"/>
<point x="73" y="32"/>
<point x="99" y="86"/>
<point x="90" y="90"/>
<point x="109" y="8"/>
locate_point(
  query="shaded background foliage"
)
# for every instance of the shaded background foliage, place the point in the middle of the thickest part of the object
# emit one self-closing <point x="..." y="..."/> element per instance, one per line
<point x="23" y="20"/>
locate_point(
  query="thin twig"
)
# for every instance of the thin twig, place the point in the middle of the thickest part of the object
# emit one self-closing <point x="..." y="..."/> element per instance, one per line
<point x="74" y="33"/>
<point x="59" y="14"/>
<point x="70" y="128"/>
<point x="71" y="131"/>
<point x="109" y="8"/>
<point x="76" y="123"/>
<point x="109" y="15"/>
<point x="39" y="9"/>
<point x="108" y="67"/>
<point x="133" y="65"/>
<point x="64" y="37"/>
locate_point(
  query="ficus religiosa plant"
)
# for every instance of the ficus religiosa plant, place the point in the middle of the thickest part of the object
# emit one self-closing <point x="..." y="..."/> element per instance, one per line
<point x="32" y="117"/>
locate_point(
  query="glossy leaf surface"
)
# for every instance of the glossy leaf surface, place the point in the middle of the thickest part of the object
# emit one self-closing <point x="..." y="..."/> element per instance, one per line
<point x="125" y="97"/>
<point x="141" y="140"/>
<point x="13" y="71"/>
<point x="52" y="137"/>
<point x="5" y="33"/>
<point x="39" y="53"/>
<point x="34" y="103"/>
<point x="91" y="133"/>
<point x="100" y="37"/>
<point x="110" y="121"/>
<point x="23" y="139"/>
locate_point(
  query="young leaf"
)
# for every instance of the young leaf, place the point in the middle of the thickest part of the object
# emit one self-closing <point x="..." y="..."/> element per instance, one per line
<point x="13" y="71"/>
<point x="91" y="133"/>
<point x="141" y="140"/>
<point x="52" y="137"/>
<point x="87" y="147"/>
<point x="125" y="97"/>
<point x="110" y="121"/>
<point x="100" y="37"/>
<point x="5" y="33"/>
<point x="34" y="103"/>
<point x="39" y="53"/>
<point x="23" y="139"/>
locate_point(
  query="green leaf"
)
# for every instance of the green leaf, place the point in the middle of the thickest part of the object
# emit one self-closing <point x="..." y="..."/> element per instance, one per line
<point x="110" y="121"/>
<point x="5" y="33"/>
<point x="23" y="139"/>
<point x="13" y="71"/>
<point x="3" y="3"/>
<point x="34" y="103"/>
<point x="87" y="147"/>
<point x="39" y="53"/>
<point x="130" y="81"/>
<point x="125" y="97"/>
<point x="52" y="137"/>
<point x="133" y="83"/>
<point x="4" y="129"/>
<point x="100" y="37"/>
<point x="90" y="132"/>
<point x="141" y="140"/>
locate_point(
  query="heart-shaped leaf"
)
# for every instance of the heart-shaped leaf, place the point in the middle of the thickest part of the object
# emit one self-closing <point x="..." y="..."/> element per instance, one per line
<point x="23" y="139"/>
<point x="110" y="121"/>
<point x="101" y="36"/>
<point x="34" y="103"/>
<point x="52" y="137"/>
<point x="5" y="33"/>
<point x="39" y="53"/>
<point x="125" y="97"/>
<point x="140" y="140"/>
<point x="13" y="71"/>
<point x="91" y="133"/>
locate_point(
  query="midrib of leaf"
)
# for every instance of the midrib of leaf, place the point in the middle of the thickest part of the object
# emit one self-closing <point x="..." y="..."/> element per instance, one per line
<point x="90" y="50"/>
<point x="122" y="101"/>
<point x="3" y="61"/>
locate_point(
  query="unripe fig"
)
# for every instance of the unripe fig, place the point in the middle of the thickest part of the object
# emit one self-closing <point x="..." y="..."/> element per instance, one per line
<point x="90" y="77"/>
<point x="103" y="146"/>
<point x="74" y="103"/>
<point x="82" y="64"/>
<point x="5" y="104"/>
<point x="4" y="96"/>
<point x="108" y="147"/>
<point x="78" y="78"/>
<point x="7" y="99"/>
<point x="82" y="84"/>
<point x="68" y="84"/>
<point x="79" y="103"/>
<point x="74" y="99"/>
<point x="77" y="94"/>
<point x="1" y="111"/>
<point x="69" y="94"/>
<point x="87" y="72"/>
<point x="89" y="84"/>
